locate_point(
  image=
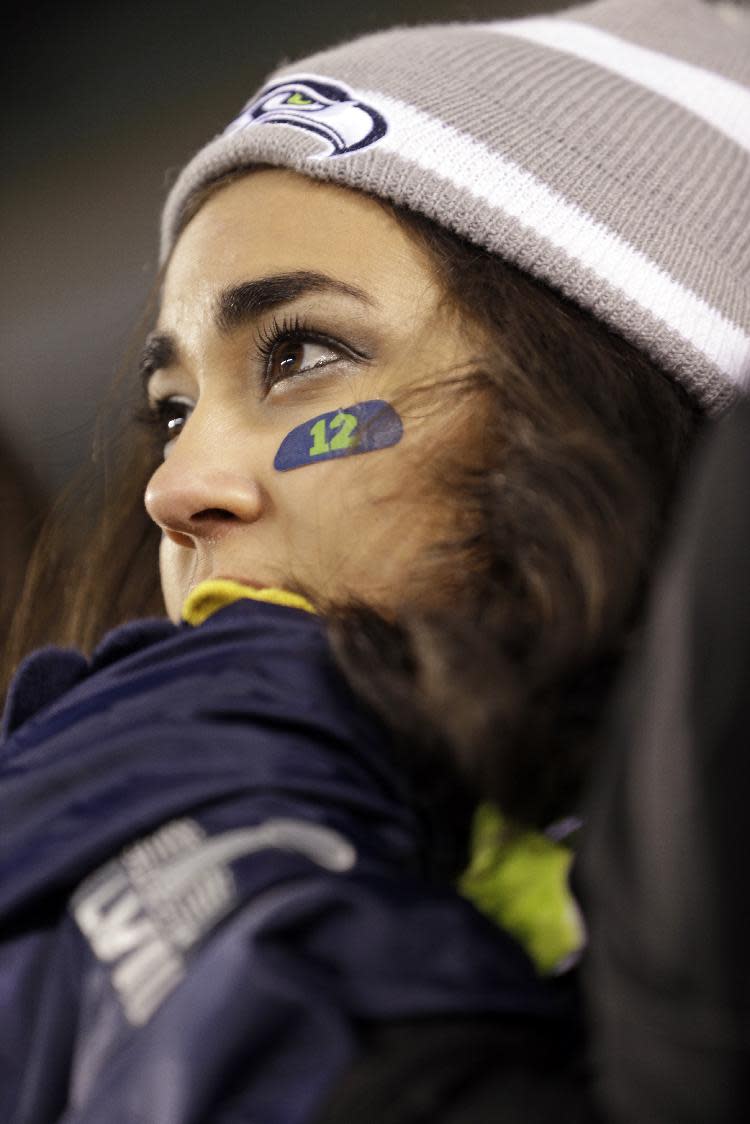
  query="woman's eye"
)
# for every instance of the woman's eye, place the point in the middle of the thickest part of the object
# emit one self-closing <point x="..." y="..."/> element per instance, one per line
<point x="294" y="357"/>
<point x="171" y="414"/>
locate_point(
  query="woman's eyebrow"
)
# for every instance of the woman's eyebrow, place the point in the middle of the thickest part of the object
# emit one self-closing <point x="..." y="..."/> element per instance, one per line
<point x="160" y="350"/>
<point x="246" y="301"/>
<point x="243" y="302"/>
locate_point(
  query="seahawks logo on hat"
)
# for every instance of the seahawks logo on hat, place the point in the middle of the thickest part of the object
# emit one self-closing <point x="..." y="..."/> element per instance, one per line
<point x="320" y="106"/>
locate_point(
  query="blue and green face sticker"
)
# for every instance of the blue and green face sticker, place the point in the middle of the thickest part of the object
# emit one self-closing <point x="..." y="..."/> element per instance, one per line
<point x="361" y="428"/>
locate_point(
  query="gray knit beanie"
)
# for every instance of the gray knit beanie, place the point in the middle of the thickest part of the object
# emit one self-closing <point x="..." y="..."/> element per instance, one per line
<point x="605" y="150"/>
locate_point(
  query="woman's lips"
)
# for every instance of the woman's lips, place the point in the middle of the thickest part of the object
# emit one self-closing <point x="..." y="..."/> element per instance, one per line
<point x="240" y="580"/>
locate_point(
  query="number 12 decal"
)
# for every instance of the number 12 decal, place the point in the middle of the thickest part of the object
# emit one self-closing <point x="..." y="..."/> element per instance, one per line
<point x="344" y="439"/>
<point x="361" y="428"/>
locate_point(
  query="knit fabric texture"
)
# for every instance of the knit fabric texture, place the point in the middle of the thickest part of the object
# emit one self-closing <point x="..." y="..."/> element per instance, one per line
<point x="605" y="150"/>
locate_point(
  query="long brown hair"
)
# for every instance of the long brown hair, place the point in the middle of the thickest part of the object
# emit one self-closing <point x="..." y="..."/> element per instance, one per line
<point x="22" y="505"/>
<point x="500" y="694"/>
<point x="586" y="441"/>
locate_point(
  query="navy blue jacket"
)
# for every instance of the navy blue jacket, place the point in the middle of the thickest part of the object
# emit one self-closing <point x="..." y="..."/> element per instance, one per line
<point x="210" y="875"/>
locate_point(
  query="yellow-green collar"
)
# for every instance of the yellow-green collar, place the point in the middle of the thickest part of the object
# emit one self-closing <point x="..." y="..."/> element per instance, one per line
<point x="210" y="596"/>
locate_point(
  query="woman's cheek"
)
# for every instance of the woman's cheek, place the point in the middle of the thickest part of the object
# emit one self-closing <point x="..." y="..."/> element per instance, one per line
<point x="174" y="577"/>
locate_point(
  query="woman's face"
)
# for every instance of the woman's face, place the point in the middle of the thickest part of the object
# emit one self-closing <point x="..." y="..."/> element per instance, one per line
<point x="286" y="300"/>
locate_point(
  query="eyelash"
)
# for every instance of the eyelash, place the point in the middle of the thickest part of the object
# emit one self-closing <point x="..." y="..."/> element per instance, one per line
<point x="268" y="339"/>
<point x="155" y="415"/>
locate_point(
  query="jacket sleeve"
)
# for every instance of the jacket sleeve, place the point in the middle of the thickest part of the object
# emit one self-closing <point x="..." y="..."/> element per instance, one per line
<point x="210" y="877"/>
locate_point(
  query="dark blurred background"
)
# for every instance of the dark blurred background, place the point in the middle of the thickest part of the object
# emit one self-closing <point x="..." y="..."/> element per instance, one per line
<point x="103" y="103"/>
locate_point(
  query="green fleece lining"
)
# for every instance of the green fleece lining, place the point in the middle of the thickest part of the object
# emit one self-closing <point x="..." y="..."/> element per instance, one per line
<point x="520" y="881"/>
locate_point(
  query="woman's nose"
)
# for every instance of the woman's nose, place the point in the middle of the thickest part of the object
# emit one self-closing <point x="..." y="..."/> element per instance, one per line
<point x="204" y="498"/>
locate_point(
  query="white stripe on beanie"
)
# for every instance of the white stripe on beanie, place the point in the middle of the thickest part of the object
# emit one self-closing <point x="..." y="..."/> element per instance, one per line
<point x="722" y="103"/>
<point x="471" y="166"/>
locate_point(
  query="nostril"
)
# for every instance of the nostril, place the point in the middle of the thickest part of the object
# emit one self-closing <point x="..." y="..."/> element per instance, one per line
<point x="209" y="514"/>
